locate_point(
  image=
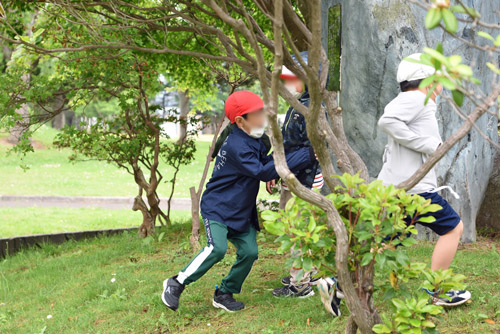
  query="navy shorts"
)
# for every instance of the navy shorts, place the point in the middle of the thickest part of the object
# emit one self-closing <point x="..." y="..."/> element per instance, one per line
<point x="446" y="218"/>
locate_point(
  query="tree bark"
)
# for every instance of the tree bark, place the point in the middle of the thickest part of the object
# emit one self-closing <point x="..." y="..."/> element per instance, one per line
<point x="147" y="227"/>
<point x="194" y="239"/>
<point x="196" y="195"/>
<point x="183" y="115"/>
<point x="22" y="124"/>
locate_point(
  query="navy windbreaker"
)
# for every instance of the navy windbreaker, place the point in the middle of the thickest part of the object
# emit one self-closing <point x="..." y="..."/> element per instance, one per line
<point x="231" y="194"/>
<point x="295" y="138"/>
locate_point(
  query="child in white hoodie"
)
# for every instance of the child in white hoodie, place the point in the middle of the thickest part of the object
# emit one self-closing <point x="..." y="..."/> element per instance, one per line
<point x="413" y="133"/>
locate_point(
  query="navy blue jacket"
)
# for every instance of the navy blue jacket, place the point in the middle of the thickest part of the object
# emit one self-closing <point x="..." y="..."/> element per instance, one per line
<point x="231" y="194"/>
<point x="295" y="138"/>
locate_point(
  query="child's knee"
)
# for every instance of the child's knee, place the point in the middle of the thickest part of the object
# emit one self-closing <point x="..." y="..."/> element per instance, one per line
<point x="460" y="228"/>
<point x="251" y="254"/>
<point x="219" y="252"/>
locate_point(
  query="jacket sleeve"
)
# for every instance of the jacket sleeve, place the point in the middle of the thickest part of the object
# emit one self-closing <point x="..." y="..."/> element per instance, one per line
<point x="250" y="165"/>
<point x="395" y="125"/>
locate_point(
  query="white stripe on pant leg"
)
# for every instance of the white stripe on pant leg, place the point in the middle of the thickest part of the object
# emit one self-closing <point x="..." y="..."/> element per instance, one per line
<point x="200" y="258"/>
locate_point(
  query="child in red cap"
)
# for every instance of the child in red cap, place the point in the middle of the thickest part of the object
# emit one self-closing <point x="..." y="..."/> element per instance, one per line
<point x="228" y="205"/>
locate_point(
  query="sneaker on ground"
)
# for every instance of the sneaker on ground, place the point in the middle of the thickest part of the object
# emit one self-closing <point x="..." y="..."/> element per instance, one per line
<point x="454" y="298"/>
<point x="329" y="293"/>
<point x="172" y="290"/>
<point x="226" y="301"/>
<point x="313" y="280"/>
<point x="301" y="291"/>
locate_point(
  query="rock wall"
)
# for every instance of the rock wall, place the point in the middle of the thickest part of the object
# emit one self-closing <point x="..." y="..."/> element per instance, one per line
<point x="489" y="215"/>
<point x="376" y="35"/>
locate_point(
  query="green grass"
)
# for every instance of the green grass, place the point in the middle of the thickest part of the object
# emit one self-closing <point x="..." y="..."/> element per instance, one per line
<point x="72" y="283"/>
<point x="52" y="174"/>
<point x="33" y="220"/>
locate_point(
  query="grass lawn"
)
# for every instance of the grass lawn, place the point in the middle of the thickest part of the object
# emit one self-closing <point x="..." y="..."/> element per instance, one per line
<point x="26" y="221"/>
<point x="68" y="289"/>
<point x="51" y="173"/>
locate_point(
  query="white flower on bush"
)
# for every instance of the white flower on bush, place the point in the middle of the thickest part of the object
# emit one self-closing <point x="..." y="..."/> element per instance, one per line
<point x="113" y="280"/>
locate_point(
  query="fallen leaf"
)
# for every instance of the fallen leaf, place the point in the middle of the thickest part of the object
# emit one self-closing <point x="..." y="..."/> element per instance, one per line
<point x="491" y="322"/>
<point x="309" y="322"/>
<point x="393" y="279"/>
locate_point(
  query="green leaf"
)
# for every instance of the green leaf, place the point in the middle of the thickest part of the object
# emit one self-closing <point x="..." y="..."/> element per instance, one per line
<point x="450" y="21"/>
<point x="367" y="258"/>
<point x="427" y="323"/>
<point x="427" y="81"/>
<point x="458" y="97"/>
<point x="308" y="263"/>
<point x="447" y="83"/>
<point x="437" y="55"/>
<point x="493" y="67"/>
<point x="458" y="9"/>
<point x="485" y="35"/>
<point x="381" y="328"/>
<point x="433" y="18"/>
<point x="270" y="215"/>
<point x="427" y="219"/>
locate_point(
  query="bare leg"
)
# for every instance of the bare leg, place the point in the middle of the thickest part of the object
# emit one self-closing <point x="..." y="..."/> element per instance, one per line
<point x="446" y="247"/>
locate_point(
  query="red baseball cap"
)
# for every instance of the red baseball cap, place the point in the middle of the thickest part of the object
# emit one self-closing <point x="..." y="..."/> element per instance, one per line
<point x="242" y="102"/>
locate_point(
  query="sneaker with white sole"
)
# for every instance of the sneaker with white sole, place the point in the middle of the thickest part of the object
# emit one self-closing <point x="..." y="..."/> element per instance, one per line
<point x="453" y="297"/>
<point x="172" y="291"/>
<point x="330" y="295"/>
<point x="301" y="291"/>
<point x="225" y="301"/>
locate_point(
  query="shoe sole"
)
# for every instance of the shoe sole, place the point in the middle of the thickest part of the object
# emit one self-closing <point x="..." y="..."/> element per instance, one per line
<point x="442" y="303"/>
<point x="217" y="305"/>
<point x="163" y="298"/>
<point x="309" y="294"/>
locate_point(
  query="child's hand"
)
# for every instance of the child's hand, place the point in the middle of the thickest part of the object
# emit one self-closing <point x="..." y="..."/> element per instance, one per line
<point x="270" y="185"/>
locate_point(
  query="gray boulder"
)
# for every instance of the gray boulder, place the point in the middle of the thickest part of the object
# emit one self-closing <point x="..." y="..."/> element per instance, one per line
<point x="376" y="35"/>
<point x="488" y="218"/>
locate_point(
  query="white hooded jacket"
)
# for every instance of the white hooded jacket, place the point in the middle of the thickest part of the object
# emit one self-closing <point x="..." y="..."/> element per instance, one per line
<point x="413" y="135"/>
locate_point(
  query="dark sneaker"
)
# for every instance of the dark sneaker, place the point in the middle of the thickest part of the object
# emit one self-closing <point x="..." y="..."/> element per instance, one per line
<point x="453" y="298"/>
<point x="301" y="291"/>
<point x="330" y="295"/>
<point x="287" y="279"/>
<point x="172" y="290"/>
<point x="226" y="301"/>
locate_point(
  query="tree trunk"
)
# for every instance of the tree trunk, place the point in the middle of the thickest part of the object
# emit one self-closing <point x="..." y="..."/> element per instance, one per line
<point x="351" y="327"/>
<point x="196" y="195"/>
<point x="59" y="121"/>
<point x="194" y="239"/>
<point x="147" y="227"/>
<point x="183" y="115"/>
<point x="22" y="124"/>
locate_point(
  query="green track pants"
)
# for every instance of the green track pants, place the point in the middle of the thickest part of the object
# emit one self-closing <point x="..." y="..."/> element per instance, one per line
<point x="217" y="236"/>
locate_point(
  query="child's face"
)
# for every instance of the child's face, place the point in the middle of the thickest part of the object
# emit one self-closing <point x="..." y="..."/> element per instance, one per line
<point x="294" y="86"/>
<point x="254" y="120"/>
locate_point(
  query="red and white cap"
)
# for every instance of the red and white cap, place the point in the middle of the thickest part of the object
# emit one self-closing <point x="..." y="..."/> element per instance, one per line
<point x="242" y="102"/>
<point x="287" y="74"/>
